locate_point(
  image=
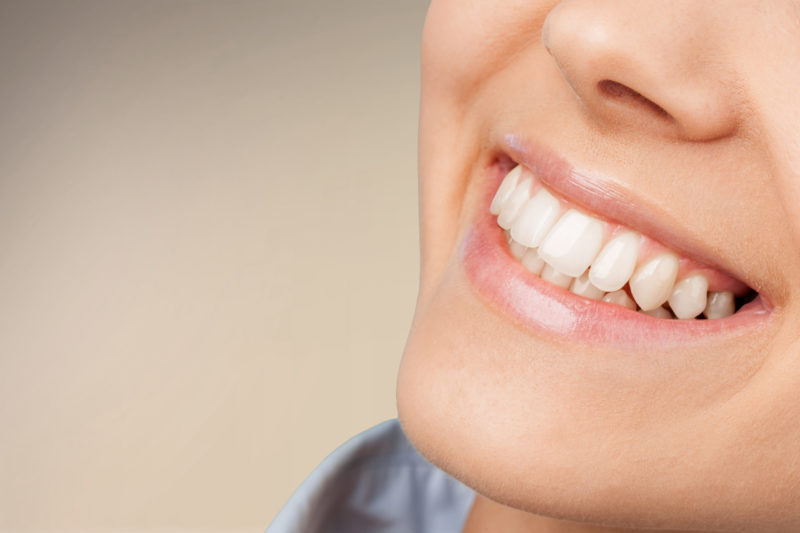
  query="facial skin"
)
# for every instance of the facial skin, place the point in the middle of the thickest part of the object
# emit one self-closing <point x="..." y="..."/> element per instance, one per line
<point x="701" y="434"/>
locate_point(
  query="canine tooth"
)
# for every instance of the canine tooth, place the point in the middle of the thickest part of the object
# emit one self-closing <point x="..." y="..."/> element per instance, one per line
<point x="583" y="287"/>
<point x="535" y="218"/>
<point x="658" y="312"/>
<point x="573" y="243"/>
<point x="620" y="298"/>
<point x="518" y="196"/>
<point x="613" y="267"/>
<point x="555" y="277"/>
<point x="504" y="191"/>
<point x="532" y="261"/>
<point x="517" y="250"/>
<point x="720" y="304"/>
<point x="652" y="282"/>
<point x="688" y="298"/>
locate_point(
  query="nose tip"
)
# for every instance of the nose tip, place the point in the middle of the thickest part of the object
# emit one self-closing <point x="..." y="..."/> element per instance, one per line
<point x="635" y="64"/>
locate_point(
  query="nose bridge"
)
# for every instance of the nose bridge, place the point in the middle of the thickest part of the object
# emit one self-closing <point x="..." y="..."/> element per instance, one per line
<point x="644" y="63"/>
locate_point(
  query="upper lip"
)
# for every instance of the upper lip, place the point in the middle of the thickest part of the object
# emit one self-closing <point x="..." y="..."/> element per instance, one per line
<point x="609" y="198"/>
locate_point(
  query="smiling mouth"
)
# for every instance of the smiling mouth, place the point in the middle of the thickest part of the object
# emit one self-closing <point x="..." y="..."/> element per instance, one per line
<point x="548" y="249"/>
<point x="606" y="261"/>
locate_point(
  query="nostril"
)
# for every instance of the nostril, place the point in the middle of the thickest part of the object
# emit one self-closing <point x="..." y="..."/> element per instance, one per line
<point x="617" y="91"/>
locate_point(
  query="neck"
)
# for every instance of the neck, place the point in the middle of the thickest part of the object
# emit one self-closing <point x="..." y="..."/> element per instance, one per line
<point x="487" y="516"/>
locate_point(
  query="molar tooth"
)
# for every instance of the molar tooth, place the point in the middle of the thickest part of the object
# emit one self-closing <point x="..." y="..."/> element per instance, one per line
<point x="519" y="196"/>
<point x="613" y="267"/>
<point x="620" y="298"/>
<point x="555" y="277"/>
<point x="517" y="250"/>
<point x="532" y="261"/>
<point x="583" y="287"/>
<point x="504" y="191"/>
<point x="535" y="218"/>
<point x="652" y="282"/>
<point x="688" y="298"/>
<point x="573" y="243"/>
<point x="658" y="312"/>
<point x="720" y="305"/>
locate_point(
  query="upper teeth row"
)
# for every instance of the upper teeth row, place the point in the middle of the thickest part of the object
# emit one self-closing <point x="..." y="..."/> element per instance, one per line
<point x="569" y="248"/>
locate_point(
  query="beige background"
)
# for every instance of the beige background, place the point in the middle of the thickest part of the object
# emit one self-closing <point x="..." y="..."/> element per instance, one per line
<point x="208" y="251"/>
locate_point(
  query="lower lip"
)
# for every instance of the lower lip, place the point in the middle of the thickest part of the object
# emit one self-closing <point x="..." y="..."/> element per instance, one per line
<point x="542" y="307"/>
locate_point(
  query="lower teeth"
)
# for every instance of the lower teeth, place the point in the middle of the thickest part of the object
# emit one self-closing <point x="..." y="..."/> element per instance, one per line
<point x="719" y="304"/>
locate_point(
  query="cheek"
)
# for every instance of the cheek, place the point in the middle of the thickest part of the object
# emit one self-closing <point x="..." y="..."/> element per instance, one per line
<point x="466" y="42"/>
<point x="464" y="45"/>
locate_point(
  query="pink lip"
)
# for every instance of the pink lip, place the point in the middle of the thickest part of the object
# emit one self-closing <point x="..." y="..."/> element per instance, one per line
<point x="543" y="307"/>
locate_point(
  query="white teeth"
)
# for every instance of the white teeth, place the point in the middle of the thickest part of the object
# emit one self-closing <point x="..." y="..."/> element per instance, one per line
<point x="532" y="261"/>
<point x="511" y="207"/>
<point x="517" y="250"/>
<point x="535" y="218"/>
<point x="620" y="298"/>
<point x="573" y="243"/>
<point x="652" y="282"/>
<point x="555" y="277"/>
<point x="614" y="266"/>
<point x="658" y="312"/>
<point x="560" y="250"/>
<point x="505" y="190"/>
<point x="688" y="298"/>
<point x="720" y="305"/>
<point x="583" y="287"/>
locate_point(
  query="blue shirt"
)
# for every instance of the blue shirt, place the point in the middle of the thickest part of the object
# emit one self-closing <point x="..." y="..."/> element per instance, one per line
<point x="376" y="483"/>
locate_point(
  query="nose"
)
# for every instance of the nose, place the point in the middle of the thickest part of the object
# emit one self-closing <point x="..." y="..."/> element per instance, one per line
<point x="645" y="64"/>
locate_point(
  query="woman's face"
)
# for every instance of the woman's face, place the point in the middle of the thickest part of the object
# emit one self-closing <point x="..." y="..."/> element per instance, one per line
<point x="673" y="129"/>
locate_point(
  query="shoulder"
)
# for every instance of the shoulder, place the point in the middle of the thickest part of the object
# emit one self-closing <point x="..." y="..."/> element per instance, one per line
<point x="376" y="482"/>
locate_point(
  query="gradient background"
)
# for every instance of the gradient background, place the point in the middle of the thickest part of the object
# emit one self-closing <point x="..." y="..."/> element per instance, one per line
<point x="208" y="251"/>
